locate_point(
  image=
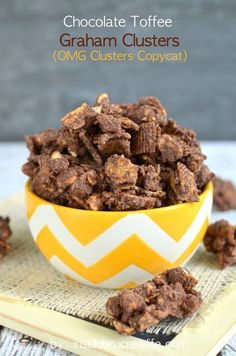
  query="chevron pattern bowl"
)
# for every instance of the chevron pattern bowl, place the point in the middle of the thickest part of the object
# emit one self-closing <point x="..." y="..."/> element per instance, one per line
<point x="117" y="249"/>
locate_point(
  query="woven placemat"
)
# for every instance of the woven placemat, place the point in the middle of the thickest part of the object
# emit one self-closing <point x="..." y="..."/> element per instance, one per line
<point x="26" y="275"/>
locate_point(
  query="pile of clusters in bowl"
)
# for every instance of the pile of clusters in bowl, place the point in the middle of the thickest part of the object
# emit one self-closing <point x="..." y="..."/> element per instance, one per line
<point x="117" y="157"/>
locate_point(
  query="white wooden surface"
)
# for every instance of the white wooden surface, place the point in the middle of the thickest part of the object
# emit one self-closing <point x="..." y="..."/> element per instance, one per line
<point x="221" y="160"/>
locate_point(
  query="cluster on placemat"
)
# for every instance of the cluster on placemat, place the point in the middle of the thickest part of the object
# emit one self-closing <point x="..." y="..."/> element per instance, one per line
<point x="170" y="294"/>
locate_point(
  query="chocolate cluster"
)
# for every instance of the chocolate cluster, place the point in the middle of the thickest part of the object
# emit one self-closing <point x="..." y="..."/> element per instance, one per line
<point x="224" y="194"/>
<point x="5" y="233"/>
<point x="220" y="239"/>
<point x="170" y="294"/>
<point x="117" y="157"/>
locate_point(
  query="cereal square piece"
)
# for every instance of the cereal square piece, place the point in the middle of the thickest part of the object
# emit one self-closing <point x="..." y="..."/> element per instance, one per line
<point x="108" y="123"/>
<point x="144" y="141"/>
<point x="121" y="172"/>
<point x="169" y="148"/>
<point x="183" y="184"/>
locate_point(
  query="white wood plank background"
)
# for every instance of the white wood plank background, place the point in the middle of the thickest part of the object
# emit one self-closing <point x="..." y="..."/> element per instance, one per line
<point x="221" y="159"/>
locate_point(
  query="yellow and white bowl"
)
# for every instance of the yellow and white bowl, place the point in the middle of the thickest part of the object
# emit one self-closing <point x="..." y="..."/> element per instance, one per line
<point x="117" y="249"/>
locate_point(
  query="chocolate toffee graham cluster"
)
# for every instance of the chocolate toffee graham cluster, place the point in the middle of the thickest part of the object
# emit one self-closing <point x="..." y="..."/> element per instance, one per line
<point x="117" y="157"/>
<point x="224" y="194"/>
<point x="220" y="239"/>
<point x="5" y="233"/>
<point x="170" y="294"/>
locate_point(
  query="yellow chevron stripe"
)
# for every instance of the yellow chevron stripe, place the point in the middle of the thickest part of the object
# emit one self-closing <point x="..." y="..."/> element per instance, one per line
<point x="131" y="251"/>
<point x="177" y="221"/>
<point x="84" y="231"/>
<point x="193" y="245"/>
<point x="101" y="223"/>
<point x="168" y="222"/>
<point x="170" y="219"/>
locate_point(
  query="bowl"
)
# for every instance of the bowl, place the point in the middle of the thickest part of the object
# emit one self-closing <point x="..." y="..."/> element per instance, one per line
<point x="117" y="249"/>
